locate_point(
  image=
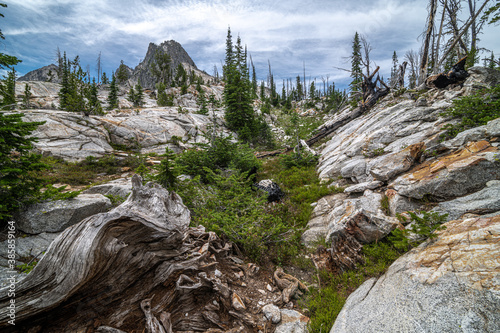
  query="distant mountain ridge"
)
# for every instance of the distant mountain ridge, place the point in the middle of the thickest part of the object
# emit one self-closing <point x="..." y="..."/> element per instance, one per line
<point x="42" y="74"/>
<point x="141" y="73"/>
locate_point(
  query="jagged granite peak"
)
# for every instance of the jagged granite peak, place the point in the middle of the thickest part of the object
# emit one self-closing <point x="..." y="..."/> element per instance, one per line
<point x="142" y="72"/>
<point x="42" y="74"/>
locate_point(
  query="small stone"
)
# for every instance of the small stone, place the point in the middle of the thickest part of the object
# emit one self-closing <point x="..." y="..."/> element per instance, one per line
<point x="238" y="303"/>
<point x="217" y="273"/>
<point x="263" y="292"/>
<point x="269" y="287"/>
<point x="272" y="313"/>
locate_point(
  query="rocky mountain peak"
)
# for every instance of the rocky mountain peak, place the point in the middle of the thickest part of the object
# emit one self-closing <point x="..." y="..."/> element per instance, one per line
<point x="46" y="74"/>
<point x="177" y="53"/>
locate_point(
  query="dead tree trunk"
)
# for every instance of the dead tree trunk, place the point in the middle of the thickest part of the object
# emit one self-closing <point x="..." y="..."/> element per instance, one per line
<point x="425" y="54"/>
<point x="138" y="267"/>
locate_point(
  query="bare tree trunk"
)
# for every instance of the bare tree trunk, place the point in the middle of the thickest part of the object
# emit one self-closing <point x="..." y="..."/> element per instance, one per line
<point x="464" y="29"/>
<point x="367" y="48"/>
<point x="425" y="55"/>
<point x="435" y="68"/>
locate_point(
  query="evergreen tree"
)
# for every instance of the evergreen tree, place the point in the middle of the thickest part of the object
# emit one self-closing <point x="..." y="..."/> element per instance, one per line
<point x="237" y="92"/>
<point x="8" y="90"/>
<point x="139" y="98"/>
<point x="27" y="96"/>
<point x="104" y="78"/>
<point x="312" y="91"/>
<point x="131" y="95"/>
<point x="254" y="80"/>
<point x="394" y="69"/>
<point x="160" y="67"/>
<point x="121" y="73"/>
<point x="18" y="182"/>
<point x="300" y="90"/>
<point x="356" y="73"/>
<point x="94" y="102"/>
<point x="113" y="94"/>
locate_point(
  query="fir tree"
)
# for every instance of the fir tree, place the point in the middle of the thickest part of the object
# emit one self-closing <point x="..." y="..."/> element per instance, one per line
<point x="139" y="98"/>
<point x="104" y="78"/>
<point x="18" y="182"/>
<point x="312" y="91"/>
<point x="300" y="90"/>
<point x="8" y="90"/>
<point x="26" y="96"/>
<point x="94" y="103"/>
<point x="113" y="94"/>
<point x="356" y="73"/>
<point x="121" y="73"/>
<point x="160" y="67"/>
<point x="394" y="69"/>
<point x="237" y="92"/>
<point x="131" y="96"/>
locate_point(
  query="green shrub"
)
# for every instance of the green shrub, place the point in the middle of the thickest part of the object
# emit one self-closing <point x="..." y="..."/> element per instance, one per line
<point x="473" y="111"/>
<point x="326" y="302"/>
<point x="422" y="228"/>
<point x="304" y="159"/>
<point x="229" y="206"/>
<point x="221" y="154"/>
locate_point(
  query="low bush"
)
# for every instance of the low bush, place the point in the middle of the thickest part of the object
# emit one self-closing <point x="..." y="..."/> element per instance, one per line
<point x="473" y="111"/>
<point x="229" y="206"/>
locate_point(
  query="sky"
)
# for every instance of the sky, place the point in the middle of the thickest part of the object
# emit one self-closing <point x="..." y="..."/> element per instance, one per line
<point x="290" y="34"/>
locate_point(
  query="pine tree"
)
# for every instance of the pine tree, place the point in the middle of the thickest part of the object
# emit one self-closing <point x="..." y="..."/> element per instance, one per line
<point x="160" y="67"/>
<point x="394" y="69"/>
<point x="121" y="73"/>
<point x="312" y="91"/>
<point x="27" y="96"/>
<point x="8" y="90"/>
<point x="131" y="95"/>
<point x="139" y="98"/>
<point x="300" y="90"/>
<point x="113" y="94"/>
<point x="94" y="102"/>
<point x="104" y="78"/>
<point x="237" y="91"/>
<point x="356" y="73"/>
<point x="18" y="182"/>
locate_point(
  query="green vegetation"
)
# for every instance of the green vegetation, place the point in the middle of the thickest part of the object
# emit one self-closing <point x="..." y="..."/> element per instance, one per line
<point x="84" y="172"/>
<point x="240" y="116"/>
<point x="422" y="228"/>
<point x="473" y="111"/>
<point x="121" y="73"/>
<point x="8" y="91"/>
<point x="113" y="94"/>
<point x="326" y="301"/>
<point x="27" y="267"/>
<point x="18" y="182"/>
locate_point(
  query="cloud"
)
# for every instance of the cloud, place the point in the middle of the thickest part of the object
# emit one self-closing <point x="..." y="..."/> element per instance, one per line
<point x="287" y="33"/>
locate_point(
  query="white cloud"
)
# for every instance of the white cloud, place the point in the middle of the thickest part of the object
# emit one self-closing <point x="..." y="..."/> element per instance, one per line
<point x="285" y="32"/>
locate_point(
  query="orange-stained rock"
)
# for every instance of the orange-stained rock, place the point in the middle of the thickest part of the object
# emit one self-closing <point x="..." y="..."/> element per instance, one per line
<point x="456" y="174"/>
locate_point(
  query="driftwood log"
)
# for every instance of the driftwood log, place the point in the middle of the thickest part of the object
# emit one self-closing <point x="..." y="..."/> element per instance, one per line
<point x="137" y="268"/>
<point x="457" y="74"/>
<point x="371" y="94"/>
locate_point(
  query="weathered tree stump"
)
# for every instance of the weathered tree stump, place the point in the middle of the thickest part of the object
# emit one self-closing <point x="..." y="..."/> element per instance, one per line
<point x="136" y="268"/>
<point x="457" y="74"/>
